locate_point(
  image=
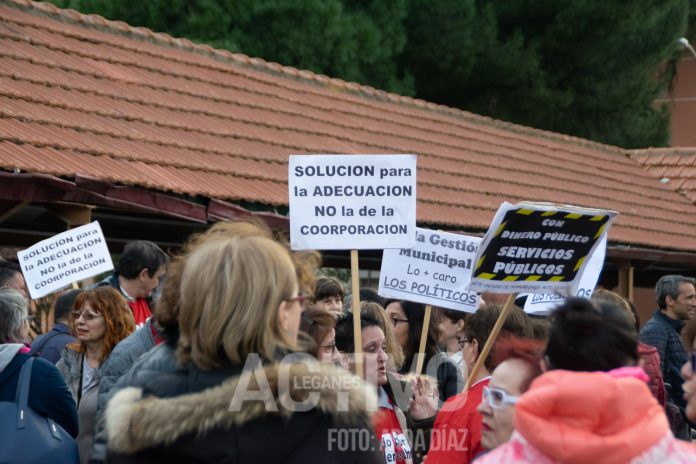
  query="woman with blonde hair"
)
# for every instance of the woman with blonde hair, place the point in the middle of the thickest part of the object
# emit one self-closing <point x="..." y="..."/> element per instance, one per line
<point x="241" y="384"/>
<point x="101" y="319"/>
<point x="143" y="363"/>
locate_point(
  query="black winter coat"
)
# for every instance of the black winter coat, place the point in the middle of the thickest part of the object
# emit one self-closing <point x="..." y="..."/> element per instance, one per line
<point x="180" y="417"/>
<point x="662" y="332"/>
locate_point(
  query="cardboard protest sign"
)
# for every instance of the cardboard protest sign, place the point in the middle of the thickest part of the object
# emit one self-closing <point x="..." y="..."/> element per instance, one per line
<point x="340" y="202"/>
<point x="544" y="303"/>
<point x="436" y="271"/>
<point x="65" y="258"/>
<point x="538" y="247"/>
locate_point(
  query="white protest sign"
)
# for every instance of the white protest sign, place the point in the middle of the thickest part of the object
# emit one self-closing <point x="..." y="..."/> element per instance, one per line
<point x="436" y="271"/>
<point x="538" y="248"/>
<point x="341" y="202"/>
<point x="544" y="303"/>
<point x="65" y="258"/>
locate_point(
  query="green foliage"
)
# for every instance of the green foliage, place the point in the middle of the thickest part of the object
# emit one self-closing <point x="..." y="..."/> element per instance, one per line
<point x="691" y="29"/>
<point x="586" y="68"/>
<point x="589" y="68"/>
<point x="354" y="40"/>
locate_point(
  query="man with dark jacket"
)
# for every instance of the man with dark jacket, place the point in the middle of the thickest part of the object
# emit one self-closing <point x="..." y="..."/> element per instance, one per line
<point x="676" y="299"/>
<point x="138" y="273"/>
<point x="50" y="345"/>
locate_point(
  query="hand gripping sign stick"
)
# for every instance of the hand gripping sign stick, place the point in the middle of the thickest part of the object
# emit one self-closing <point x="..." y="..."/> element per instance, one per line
<point x="357" y="329"/>
<point x="423" y="339"/>
<point x="483" y="354"/>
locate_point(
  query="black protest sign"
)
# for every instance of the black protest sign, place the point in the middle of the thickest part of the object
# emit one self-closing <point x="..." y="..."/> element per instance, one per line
<point x="538" y="247"/>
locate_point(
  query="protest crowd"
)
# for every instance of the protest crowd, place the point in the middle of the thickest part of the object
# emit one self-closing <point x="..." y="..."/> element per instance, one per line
<point x="237" y="349"/>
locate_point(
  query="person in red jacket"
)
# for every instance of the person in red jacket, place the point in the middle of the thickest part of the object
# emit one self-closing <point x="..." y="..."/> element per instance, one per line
<point x="456" y="436"/>
<point x="396" y="413"/>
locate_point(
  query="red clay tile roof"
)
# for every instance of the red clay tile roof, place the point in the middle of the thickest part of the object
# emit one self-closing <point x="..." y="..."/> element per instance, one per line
<point x="675" y="166"/>
<point x="80" y="95"/>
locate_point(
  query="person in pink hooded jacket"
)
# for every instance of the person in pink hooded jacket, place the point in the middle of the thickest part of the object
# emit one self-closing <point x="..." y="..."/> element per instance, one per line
<point x="593" y="404"/>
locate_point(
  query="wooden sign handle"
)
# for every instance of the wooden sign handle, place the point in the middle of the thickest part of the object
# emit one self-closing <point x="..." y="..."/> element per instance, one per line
<point x="423" y="340"/>
<point x="483" y="354"/>
<point x="355" y="303"/>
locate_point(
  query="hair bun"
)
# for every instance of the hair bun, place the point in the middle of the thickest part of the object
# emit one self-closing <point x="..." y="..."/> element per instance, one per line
<point x="578" y="317"/>
<point x="585" y="336"/>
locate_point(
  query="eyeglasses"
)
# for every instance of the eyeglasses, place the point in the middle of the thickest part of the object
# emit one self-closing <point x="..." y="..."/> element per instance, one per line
<point x="329" y="349"/>
<point x="462" y="342"/>
<point x="86" y="315"/>
<point x="497" y="398"/>
<point x="395" y="321"/>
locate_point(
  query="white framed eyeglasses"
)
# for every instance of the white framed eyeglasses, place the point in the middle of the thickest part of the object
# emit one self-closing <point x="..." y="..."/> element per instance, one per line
<point x="497" y="398"/>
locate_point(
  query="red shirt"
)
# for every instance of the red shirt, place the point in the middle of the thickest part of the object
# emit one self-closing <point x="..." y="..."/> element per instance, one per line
<point x="392" y="440"/>
<point x="141" y="311"/>
<point x="456" y="436"/>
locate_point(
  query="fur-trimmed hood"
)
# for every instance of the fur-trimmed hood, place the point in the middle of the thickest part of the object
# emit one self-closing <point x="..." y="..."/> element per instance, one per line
<point x="136" y="422"/>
